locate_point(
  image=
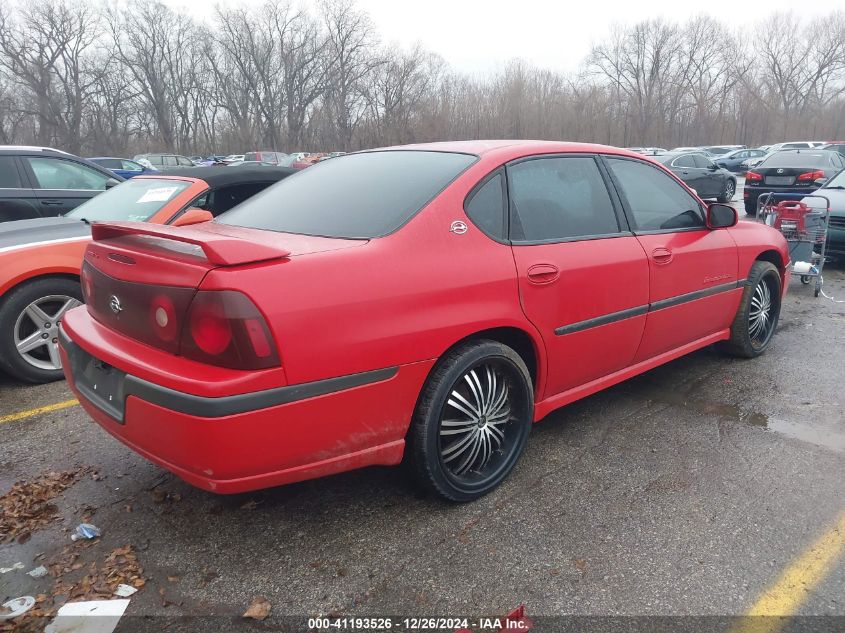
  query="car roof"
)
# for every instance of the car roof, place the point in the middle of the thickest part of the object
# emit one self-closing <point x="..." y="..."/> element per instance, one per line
<point x="32" y="149"/>
<point x="223" y="176"/>
<point x="509" y="149"/>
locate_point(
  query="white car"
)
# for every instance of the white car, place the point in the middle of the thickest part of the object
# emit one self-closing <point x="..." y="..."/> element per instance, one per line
<point x="231" y="158"/>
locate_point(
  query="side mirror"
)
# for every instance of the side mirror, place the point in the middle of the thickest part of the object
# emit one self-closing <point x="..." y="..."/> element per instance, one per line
<point x="819" y="182"/>
<point x="111" y="182"/>
<point x="721" y="216"/>
<point x="193" y="216"/>
<point x="712" y="167"/>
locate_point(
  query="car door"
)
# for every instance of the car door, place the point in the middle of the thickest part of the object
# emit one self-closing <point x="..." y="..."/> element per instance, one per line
<point x="583" y="276"/>
<point x="712" y="178"/>
<point x="684" y="168"/>
<point x="61" y="184"/>
<point x="17" y="199"/>
<point x="693" y="283"/>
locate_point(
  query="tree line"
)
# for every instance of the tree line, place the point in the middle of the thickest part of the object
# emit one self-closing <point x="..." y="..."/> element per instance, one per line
<point x="92" y="79"/>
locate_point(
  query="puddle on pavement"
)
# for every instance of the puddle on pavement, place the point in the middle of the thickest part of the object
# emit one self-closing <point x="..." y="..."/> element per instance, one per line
<point x="818" y="432"/>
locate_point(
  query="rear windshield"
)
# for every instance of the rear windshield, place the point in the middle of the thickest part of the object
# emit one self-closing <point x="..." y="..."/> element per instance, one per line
<point x="355" y="196"/>
<point x="797" y="159"/>
<point x="135" y="200"/>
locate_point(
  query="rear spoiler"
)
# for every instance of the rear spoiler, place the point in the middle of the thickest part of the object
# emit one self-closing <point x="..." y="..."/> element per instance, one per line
<point x="220" y="250"/>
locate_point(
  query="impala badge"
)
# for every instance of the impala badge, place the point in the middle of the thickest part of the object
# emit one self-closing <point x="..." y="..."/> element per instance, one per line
<point x="458" y="227"/>
<point x="780" y="171"/>
<point x="114" y="304"/>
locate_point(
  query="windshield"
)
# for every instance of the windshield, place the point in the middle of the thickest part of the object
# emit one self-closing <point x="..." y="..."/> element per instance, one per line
<point x="797" y="159"/>
<point x="135" y="200"/>
<point x="356" y="196"/>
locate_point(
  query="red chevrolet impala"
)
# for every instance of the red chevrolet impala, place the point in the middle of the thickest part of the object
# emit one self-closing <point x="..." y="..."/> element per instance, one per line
<point x="426" y="302"/>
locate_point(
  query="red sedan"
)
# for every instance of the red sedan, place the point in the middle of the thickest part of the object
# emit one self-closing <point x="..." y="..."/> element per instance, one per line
<point x="425" y="302"/>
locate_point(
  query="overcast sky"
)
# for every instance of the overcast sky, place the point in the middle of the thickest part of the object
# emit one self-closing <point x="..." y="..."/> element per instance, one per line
<point x="480" y="35"/>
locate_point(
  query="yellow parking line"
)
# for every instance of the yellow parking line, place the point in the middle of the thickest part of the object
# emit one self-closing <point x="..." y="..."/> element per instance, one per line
<point x="785" y="597"/>
<point x="28" y="414"/>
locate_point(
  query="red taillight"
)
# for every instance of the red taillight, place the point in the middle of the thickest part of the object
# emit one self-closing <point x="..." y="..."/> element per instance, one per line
<point x="225" y="328"/>
<point x="810" y="176"/>
<point x="753" y="176"/>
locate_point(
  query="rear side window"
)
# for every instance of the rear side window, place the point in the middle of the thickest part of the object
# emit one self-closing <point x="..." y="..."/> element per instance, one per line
<point x="559" y="198"/>
<point x="684" y="161"/>
<point x="217" y="201"/>
<point x="9" y="176"/>
<point x="251" y="156"/>
<point x="355" y="196"/>
<point x="486" y="208"/>
<point x="656" y="200"/>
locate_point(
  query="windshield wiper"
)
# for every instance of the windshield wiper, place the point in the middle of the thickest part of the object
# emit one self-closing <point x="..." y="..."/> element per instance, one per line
<point x="86" y="220"/>
<point x="835" y="187"/>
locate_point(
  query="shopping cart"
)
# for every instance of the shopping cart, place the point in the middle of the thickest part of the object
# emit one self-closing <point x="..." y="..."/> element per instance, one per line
<point x="804" y="223"/>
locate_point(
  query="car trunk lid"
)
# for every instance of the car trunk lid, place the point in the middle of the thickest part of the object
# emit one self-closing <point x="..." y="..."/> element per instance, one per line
<point x="140" y="279"/>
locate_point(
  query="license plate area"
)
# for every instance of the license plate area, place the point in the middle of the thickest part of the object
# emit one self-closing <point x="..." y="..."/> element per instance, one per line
<point x="780" y="180"/>
<point x="102" y="384"/>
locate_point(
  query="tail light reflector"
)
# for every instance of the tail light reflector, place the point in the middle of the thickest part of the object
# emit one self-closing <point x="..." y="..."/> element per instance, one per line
<point x="753" y="176"/>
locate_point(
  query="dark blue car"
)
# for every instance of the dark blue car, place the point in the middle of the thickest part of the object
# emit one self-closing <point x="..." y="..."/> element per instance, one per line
<point x="733" y="160"/>
<point x="121" y="166"/>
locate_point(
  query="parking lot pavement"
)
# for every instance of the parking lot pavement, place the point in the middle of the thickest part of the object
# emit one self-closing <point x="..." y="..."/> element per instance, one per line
<point x="687" y="490"/>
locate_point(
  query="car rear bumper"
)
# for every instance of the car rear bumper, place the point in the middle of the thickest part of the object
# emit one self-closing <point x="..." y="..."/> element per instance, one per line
<point x="836" y="237"/>
<point x="254" y="440"/>
<point x="751" y="193"/>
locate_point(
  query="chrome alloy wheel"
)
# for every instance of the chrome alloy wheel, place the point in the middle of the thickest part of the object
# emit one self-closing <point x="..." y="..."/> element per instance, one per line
<point x="761" y="316"/>
<point x="476" y="436"/>
<point x="730" y="190"/>
<point x="36" y="330"/>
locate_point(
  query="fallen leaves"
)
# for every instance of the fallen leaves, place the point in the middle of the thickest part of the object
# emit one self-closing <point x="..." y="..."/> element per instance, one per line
<point x="26" y="508"/>
<point x="100" y="580"/>
<point x="259" y="609"/>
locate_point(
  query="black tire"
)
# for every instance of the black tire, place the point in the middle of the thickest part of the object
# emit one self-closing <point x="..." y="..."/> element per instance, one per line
<point x="728" y="192"/>
<point x="429" y="458"/>
<point x="744" y="342"/>
<point x="805" y="279"/>
<point x="751" y="209"/>
<point x="12" y="307"/>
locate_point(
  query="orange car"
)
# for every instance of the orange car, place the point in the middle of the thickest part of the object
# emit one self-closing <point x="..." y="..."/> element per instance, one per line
<point x="40" y="259"/>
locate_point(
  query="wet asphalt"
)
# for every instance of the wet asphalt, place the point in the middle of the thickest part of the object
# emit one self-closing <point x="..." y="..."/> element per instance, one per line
<point x="684" y="491"/>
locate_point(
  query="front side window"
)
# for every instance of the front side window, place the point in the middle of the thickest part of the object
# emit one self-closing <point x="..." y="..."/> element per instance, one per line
<point x="656" y="201"/>
<point x="168" y="161"/>
<point x="357" y="196"/>
<point x="135" y="200"/>
<point x="486" y="208"/>
<point x="184" y="162"/>
<point x="58" y="173"/>
<point x="130" y="165"/>
<point x="702" y="161"/>
<point x="559" y="198"/>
